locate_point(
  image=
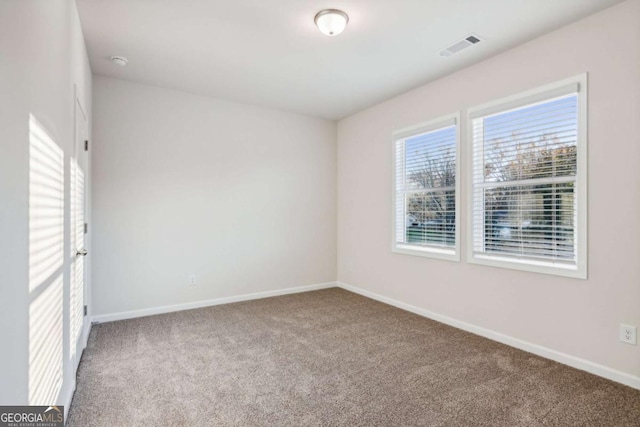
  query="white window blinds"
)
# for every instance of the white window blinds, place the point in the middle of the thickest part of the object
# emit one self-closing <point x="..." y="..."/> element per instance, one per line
<point x="525" y="174"/>
<point x="425" y="188"/>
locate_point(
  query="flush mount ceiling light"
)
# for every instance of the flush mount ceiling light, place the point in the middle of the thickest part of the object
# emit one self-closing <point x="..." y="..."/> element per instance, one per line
<point x="119" y="60"/>
<point x="331" y="21"/>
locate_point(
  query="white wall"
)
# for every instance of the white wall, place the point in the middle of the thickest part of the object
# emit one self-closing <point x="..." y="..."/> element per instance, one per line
<point x="42" y="57"/>
<point x="576" y="317"/>
<point x="243" y="197"/>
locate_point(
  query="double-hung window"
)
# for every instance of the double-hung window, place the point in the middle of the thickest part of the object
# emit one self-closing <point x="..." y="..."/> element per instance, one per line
<point x="425" y="190"/>
<point x="528" y="192"/>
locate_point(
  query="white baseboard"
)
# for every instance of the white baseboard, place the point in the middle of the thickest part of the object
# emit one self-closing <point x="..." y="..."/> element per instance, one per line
<point x="207" y="303"/>
<point x="86" y="330"/>
<point x="566" y="359"/>
<point x="67" y="400"/>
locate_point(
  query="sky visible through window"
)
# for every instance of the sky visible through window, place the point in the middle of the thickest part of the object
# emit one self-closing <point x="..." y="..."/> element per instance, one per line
<point x="557" y="115"/>
<point x="439" y="146"/>
<point x="509" y="136"/>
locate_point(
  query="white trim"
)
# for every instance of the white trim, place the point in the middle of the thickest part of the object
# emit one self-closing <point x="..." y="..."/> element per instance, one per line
<point x="429" y="190"/>
<point x="583" y="177"/>
<point x="566" y="359"/>
<point x="448" y="120"/>
<point x="86" y="330"/>
<point x="80" y="156"/>
<point x="579" y="271"/>
<point x="526" y="182"/>
<point x="448" y="254"/>
<point x="426" y="251"/>
<point x="532" y="96"/>
<point x="68" y="399"/>
<point x="102" y="318"/>
<point x="522" y="264"/>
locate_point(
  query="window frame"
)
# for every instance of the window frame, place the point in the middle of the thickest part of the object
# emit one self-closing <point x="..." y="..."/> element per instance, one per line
<point x="441" y="122"/>
<point x="539" y="94"/>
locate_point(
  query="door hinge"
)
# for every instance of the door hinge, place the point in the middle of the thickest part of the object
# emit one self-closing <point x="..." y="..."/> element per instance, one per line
<point x="85" y="310"/>
<point x="86" y="228"/>
<point x="86" y="145"/>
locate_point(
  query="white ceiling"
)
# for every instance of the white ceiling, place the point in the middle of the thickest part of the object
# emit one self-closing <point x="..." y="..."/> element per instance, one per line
<point x="269" y="52"/>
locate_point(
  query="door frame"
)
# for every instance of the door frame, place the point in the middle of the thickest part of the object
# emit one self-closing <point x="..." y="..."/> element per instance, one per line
<point x="83" y="155"/>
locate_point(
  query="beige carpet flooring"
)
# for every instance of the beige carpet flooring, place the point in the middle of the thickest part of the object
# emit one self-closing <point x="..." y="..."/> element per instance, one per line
<point x="327" y="358"/>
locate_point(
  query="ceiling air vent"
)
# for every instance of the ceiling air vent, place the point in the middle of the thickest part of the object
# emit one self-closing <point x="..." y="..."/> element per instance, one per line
<point x="462" y="44"/>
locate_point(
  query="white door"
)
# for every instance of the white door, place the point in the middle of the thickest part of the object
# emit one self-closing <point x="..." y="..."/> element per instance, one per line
<point x="78" y="230"/>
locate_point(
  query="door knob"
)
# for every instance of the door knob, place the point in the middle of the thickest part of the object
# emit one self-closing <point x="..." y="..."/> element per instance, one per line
<point x="81" y="252"/>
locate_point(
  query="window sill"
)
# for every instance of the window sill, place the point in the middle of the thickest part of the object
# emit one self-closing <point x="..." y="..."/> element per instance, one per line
<point x="555" y="269"/>
<point x="427" y="252"/>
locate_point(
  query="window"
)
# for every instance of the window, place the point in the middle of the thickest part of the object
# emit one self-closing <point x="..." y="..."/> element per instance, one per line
<point x="425" y="196"/>
<point x="528" y="195"/>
